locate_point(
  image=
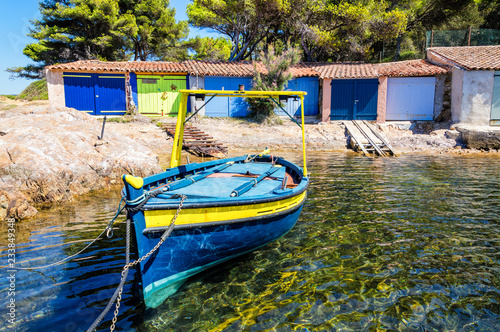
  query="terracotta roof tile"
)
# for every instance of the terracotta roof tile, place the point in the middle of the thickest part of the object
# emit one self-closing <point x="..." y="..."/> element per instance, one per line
<point x="204" y="68"/>
<point x="246" y="68"/>
<point x="410" y="68"/>
<point x="471" y="57"/>
<point x="343" y="70"/>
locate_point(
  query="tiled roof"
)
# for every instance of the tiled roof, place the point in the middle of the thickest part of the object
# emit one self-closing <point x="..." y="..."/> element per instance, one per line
<point x="192" y="67"/>
<point x="409" y="68"/>
<point x="343" y="70"/>
<point x="121" y="66"/>
<point x="246" y="68"/>
<point x="471" y="57"/>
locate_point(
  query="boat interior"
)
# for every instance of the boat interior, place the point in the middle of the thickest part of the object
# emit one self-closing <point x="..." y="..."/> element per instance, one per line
<point x="263" y="176"/>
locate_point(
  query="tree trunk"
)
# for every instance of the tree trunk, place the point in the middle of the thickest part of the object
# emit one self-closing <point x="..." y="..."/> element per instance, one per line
<point x="306" y="49"/>
<point x="398" y="47"/>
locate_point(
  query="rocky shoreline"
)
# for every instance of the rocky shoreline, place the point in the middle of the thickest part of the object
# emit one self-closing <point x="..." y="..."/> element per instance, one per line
<point x="49" y="155"/>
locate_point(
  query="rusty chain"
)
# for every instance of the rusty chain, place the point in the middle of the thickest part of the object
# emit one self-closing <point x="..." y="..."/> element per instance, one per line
<point x="137" y="261"/>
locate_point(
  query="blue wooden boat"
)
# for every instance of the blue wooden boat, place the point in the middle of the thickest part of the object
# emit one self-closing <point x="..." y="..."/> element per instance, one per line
<point x="230" y="207"/>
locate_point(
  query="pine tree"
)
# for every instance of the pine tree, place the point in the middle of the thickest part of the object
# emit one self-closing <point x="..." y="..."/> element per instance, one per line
<point x="111" y="30"/>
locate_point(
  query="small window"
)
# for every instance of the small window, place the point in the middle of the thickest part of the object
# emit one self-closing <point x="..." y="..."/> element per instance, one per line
<point x="149" y="80"/>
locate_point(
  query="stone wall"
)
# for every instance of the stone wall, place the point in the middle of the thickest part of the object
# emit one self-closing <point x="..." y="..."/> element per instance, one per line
<point x="442" y="101"/>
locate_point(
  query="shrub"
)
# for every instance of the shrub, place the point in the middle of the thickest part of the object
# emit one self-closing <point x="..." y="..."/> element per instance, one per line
<point x="35" y="91"/>
<point x="277" y="76"/>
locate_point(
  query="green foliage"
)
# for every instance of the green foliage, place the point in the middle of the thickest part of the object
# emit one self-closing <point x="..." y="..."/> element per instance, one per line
<point x="346" y="30"/>
<point x="35" y="91"/>
<point x="155" y="34"/>
<point x="427" y="15"/>
<point x="119" y="119"/>
<point x="325" y="29"/>
<point x="490" y="10"/>
<point x="245" y="22"/>
<point x="11" y="97"/>
<point x="277" y="76"/>
<point x="209" y="48"/>
<point x="72" y="30"/>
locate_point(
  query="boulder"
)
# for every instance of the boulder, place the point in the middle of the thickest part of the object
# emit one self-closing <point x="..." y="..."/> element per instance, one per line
<point x="51" y="154"/>
<point x="481" y="139"/>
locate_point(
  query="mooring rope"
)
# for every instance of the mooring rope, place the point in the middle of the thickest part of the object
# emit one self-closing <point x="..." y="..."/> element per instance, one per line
<point x="108" y="230"/>
<point x="117" y="296"/>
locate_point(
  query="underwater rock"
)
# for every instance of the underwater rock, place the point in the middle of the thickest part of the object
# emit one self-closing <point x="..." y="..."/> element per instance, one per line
<point x="50" y="154"/>
<point x="15" y="205"/>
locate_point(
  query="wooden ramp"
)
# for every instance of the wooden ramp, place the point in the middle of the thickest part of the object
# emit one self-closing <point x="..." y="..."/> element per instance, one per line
<point x="367" y="139"/>
<point x="197" y="142"/>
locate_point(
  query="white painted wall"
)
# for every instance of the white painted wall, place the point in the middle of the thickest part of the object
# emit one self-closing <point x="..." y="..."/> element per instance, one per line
<point x="55" y="87"/>
<point x="197" y="83"/>
<point x="476" y="97"/>
<point x="471" y="93"/>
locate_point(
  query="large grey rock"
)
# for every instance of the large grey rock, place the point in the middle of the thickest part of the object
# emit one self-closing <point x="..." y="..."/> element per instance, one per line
<point x="51" y="154"/>
<point x="481" y="139"/>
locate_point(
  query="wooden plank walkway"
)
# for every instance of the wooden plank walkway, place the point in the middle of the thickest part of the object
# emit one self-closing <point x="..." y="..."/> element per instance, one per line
<point x="197" y="142"/>
<point x="366" y="138"/>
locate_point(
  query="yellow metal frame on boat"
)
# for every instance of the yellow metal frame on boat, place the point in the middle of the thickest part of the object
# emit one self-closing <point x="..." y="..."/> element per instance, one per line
<point x="175" y="159"/>
<point x="162" y="218"/>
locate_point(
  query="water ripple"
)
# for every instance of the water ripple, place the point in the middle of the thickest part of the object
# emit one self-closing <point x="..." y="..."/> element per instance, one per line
<point x="400" y="244"/>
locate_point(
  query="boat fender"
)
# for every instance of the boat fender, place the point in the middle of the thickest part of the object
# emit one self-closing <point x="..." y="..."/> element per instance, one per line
<point x="134" y="181"/>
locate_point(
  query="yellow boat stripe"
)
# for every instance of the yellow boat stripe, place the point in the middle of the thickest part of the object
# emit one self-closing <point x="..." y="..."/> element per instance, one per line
<point x="111" y="76"/>
<point x="162" y="218"/>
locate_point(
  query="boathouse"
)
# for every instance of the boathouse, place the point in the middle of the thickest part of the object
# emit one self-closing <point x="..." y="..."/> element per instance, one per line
<point x="407" y="90"/>
<point x="475" y="86"/>
<point x="111" y="88"/>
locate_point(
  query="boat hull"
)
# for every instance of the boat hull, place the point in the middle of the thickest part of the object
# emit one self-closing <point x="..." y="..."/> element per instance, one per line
<point x="189" y="251"/>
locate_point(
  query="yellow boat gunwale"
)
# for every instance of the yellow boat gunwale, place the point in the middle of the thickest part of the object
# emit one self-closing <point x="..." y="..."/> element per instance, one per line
<point x="208" y="216"/>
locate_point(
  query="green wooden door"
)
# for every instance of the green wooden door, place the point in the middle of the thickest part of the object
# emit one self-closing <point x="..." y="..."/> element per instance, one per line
<point x="495" y="103"/>
<point x="150" y="90"/>
<point x="172" y="84"/>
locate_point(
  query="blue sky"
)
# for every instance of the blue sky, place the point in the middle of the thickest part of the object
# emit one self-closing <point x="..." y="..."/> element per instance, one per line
<point x="14" y="24"/>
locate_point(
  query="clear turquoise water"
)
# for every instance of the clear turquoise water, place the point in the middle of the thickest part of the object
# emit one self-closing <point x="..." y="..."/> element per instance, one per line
<point x="401" y="244"/>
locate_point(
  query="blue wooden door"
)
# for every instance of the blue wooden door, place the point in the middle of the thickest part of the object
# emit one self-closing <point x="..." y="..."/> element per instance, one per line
<point x="225" y="106"/>
<point x="342" y="102"/>
<point x="110" y="94"/>
<point x="310" y="85"/>
<point x="354" y="99"/>
<point x="365" y="102"/>
<point x="79" y="91"/>
<point x="237" y="105"/>
<point x="218" y="106"/>
<point x="96" y="94"/>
